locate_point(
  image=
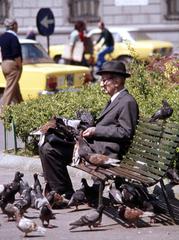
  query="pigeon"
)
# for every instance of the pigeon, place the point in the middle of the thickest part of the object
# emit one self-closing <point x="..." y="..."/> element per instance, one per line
<point x="10" y="210"/>
<point x="46" y="214"/>
<point x="101" y="160"/>
<point x="77" y="198"/>
<point x="56" y="200"/>
<point x="25" y="201"/>
<point x="87" y="153"/>
<point x="115" y="195"/>
<point x="132" y="215"/>
<point x="86" y="119"/>
<point x="92" y="192"/>
<point x="163" y="113"/>
<point x="26" y="225"/>
<point x="10" y="190"/>
<point x="131" y="196"/>
<point x="93" y="219"/>
<point x="37" y="185"/>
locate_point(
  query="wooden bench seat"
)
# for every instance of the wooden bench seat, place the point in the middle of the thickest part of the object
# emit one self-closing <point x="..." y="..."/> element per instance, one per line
<point x="149" y="156"/>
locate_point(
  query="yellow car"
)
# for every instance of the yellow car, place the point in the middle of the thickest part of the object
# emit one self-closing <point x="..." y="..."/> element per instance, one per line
<point x="129" y="43"/>
<point x="42" y="76"/>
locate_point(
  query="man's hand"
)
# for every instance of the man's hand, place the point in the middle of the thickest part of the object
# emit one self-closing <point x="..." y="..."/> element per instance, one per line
<point x="89" y="132"/>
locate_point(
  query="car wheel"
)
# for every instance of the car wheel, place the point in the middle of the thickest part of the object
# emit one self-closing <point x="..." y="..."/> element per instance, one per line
<point x="1" y="92"/>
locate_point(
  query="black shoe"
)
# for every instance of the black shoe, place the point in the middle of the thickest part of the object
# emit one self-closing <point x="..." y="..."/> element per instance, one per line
<point x="173" y="175"/>
<point x="68" y="194"/>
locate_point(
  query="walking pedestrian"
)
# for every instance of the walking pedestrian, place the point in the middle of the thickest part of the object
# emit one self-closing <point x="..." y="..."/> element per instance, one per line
<point x="11" y="63"/>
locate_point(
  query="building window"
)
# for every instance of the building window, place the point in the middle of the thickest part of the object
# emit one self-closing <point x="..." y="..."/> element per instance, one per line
<point x="4" y="9"/>
<point x="86" y="10"/>
<point x="172" y="9"/>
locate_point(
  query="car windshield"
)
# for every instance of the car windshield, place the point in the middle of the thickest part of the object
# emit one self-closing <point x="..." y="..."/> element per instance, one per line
<point x="137" y="36"/>
<point x="34" y="53"/>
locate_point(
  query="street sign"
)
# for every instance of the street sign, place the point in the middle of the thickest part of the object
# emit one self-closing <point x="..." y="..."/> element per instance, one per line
<point x="45" y="21"/>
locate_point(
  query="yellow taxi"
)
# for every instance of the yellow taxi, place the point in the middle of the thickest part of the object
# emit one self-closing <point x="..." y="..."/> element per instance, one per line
<point x="129" y="43"/>
<point x="41" y="75"/>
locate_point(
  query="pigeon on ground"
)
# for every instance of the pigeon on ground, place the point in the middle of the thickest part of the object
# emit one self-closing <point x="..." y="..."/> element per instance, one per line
<point x="56" y="200"/>
<point x="10" y="190"/>
<point x="77" y="198"/>
<point x="163" y="113"/>
<point x="26" y="225"/>
<point x="46" y="215"/>
<point x="115" y="195"/>
<point x="131" y="196"/>
<point x="37" y="185"/>
<point x="93" y="219"/>
<point x="10" y="210"/>
<point x="132" y="215"/>
<point x="25" y="201"/>
<point x="91" y="192"/>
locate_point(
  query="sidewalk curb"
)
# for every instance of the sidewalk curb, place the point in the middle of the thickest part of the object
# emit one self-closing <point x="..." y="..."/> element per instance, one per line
<point x="32" y="164"/>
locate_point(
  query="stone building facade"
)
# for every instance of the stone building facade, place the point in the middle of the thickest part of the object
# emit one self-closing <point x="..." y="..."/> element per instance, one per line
<point x="158" y="18"/>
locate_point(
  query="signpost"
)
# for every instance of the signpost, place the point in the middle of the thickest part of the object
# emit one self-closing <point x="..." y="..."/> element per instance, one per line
<point x="45" y="23"/>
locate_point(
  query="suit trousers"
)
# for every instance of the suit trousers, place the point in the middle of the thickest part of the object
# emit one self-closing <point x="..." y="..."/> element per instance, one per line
<point x="54" y="159"/>
<point x="12" y="74"/>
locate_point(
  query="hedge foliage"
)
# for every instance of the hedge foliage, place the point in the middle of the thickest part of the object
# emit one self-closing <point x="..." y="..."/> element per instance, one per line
<point x="149" y="84"/>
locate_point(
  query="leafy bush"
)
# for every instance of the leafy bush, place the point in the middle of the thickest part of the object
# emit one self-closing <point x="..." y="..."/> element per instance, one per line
<point x="149" y="84"/>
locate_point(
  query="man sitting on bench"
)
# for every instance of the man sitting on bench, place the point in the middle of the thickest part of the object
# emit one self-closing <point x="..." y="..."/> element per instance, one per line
<point x="112" y="133"/>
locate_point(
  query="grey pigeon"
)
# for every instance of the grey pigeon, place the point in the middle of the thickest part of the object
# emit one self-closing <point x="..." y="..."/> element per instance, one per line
<point x="93" y="219"/>
<point x="46" y="214"/>
<point x="10" y="210"/>
<point x="91" y="192"/>
<point x="25" y="201"/>
<point x="77" y="198"/>
<point x="37" y="185"/>
<point x="163" y="113"/>
<point x="115" y="195"/>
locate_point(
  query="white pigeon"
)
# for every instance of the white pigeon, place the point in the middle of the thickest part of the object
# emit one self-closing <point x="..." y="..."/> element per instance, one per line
<point x="26" y="225"/>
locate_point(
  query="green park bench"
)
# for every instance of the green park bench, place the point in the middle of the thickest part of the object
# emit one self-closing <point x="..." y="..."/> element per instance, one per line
<point x="149" y="156"/>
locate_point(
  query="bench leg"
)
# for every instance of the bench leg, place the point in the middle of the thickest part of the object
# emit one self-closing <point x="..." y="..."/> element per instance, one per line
<point x="100" y="199"/>
<point x="170" y="209"/>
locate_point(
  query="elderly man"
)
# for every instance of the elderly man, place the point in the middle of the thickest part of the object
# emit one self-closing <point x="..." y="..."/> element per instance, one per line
<point x="11" y="62"/>
<point x="111" y="134"/>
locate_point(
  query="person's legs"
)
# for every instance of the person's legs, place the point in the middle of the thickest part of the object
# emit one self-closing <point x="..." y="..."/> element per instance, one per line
<point x="12" y="90"/>
<point x="101" y="56"/>
<point x="54" y="163"/>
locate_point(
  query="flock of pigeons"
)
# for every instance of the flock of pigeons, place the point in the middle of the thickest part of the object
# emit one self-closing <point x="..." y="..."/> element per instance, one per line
<point x="16" y="197"/>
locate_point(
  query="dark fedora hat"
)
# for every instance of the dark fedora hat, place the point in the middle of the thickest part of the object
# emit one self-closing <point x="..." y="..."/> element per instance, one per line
<point x="115" y="67"/>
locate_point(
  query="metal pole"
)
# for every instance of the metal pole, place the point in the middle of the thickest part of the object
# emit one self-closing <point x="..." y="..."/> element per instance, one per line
<point x="48" y="44"/>
<point x="5" y="138"/>
<point x="14" y="135"/>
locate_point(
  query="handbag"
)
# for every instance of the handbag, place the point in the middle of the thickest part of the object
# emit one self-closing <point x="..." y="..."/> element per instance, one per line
<point x="53" y="136"/>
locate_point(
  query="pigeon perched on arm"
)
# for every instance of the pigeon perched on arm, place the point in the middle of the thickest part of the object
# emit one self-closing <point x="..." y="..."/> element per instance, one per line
<point x="89" y="220"/>
<point x="163" y="113"/>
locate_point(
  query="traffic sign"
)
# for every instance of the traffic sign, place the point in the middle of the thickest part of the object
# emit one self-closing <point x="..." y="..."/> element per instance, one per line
<point x="45" y="21"/>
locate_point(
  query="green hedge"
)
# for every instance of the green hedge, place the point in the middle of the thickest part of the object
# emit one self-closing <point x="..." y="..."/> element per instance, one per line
<point x="148" y="84"/>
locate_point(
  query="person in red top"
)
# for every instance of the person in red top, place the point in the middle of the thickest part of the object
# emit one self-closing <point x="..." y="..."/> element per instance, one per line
<point x="78" y="34"/>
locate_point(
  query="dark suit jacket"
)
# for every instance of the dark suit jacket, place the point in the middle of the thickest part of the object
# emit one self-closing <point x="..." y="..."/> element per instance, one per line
<point x="116" y="125"/>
